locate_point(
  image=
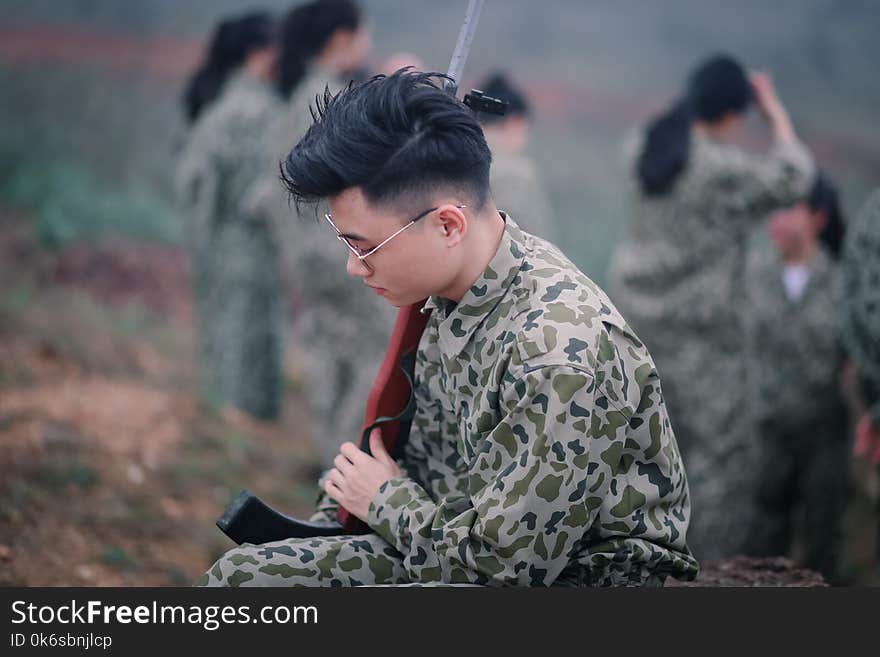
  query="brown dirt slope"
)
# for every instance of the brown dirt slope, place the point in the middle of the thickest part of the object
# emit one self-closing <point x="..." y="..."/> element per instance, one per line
<point x="111" y="472"/>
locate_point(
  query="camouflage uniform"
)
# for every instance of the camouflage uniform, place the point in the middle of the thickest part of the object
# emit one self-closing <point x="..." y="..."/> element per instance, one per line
<point x="679" y="277"/>
<point x="861" y="311"/>
<point x="796" y="360"/>
<point x="516" y="185"/>
<point x="342" y="326"/>
<point x="236" y="273"/>
<point x="861" y="301"/>
<point x="541" y="453"/>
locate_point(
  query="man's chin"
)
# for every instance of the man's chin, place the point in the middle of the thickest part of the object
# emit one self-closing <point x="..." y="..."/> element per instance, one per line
<point x="398" y="302"/>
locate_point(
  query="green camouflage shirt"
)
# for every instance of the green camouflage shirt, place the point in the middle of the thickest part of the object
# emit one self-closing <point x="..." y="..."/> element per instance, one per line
<point x="681" y="267"/>
<point x="796" y="354"/>
<point x="541" y="451"/>
<point x="223" y="158"/>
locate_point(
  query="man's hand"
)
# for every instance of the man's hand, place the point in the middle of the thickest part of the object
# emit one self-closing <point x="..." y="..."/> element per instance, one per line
<point x="770" y="106"/>
<point x="357" y="476"/>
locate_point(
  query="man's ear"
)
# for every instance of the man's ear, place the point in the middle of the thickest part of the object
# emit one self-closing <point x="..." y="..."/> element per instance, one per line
<point x="452" y="223"/>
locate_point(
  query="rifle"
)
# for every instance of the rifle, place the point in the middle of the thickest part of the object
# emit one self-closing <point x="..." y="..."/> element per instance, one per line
<point x="391" y="403"/>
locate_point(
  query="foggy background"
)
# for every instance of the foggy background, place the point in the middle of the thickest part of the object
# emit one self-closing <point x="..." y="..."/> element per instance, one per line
<point x="91" y="92"/>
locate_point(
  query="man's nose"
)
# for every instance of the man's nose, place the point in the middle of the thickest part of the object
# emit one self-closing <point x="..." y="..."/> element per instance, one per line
<point x="357" y="267"/>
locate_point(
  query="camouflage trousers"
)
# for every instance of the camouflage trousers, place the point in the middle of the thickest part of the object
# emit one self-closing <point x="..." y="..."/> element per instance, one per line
<point x="723" y="493"/>
<point x="804" y="469"/>
<point x="240" y="311"/>
<point x="326" y="561"/>
<point x="708" y="407"/>
<point x="366" y="560"/>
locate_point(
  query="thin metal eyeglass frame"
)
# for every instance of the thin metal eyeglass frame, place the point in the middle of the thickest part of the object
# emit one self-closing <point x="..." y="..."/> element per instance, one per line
<point x="363" y="256"/>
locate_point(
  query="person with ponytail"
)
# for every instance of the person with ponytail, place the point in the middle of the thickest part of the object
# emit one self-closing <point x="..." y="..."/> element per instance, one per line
<point x="323" y="38"/>
<point x="246" y="40"/>
<point x="678" y="275"/>
<point x="322" y="43"/>
<point x="796" y="358"/>
<point x="236" y="274"/>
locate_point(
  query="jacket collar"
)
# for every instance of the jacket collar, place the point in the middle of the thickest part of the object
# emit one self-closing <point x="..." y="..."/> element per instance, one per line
<point x="457" y="322"/>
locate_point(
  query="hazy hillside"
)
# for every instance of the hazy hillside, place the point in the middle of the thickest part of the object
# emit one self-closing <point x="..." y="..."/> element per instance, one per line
<point x="94" y="84"/>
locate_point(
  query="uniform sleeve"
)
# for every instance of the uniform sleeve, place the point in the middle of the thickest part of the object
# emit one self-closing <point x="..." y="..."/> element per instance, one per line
<point x="326" y="507"/>
<point x="760" y="184"/>
<point x="198" y="183"/>
<point x="534" y="489"/>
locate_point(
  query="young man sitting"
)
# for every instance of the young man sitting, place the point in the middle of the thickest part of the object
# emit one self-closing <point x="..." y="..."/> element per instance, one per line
<point x="541" y="452"/>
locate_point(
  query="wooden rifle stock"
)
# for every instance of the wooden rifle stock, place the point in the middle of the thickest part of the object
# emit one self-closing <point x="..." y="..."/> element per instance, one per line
<point x="390" y="407"/>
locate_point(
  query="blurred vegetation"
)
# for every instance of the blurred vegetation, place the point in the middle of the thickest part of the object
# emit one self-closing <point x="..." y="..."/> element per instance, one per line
<point x="70" y="203"/>
<point x="102" y="437"/>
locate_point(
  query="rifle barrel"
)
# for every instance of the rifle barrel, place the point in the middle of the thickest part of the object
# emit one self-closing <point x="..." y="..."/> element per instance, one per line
<point x="465" y="38"/>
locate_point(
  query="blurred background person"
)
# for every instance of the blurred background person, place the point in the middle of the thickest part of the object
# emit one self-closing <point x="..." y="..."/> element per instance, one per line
<point x="342" y="328"/>
<point x="861" y="331"/>
<point x="230" y="101"/>
<point x="401" y="60"/>
<point x="678" y="276"/>
<point x="322" y="43"/>
<point x="796" y="358"/>
<point x="515" y="179"/>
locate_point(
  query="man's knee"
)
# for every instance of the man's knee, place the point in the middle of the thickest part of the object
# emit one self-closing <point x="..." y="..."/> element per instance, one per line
<point x="235" y="568"/>
<point x="337" y="561"/>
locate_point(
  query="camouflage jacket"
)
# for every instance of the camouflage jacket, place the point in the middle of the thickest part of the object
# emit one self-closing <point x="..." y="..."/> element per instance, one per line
<point x="224" y="157"/>
<point x="234" y="252"/>
<point x="294" y="118"/>
<point x="795" y="351"/>
<point x="681" y="269"/>
<point x="541" y="452"/>
<point x="516" y="185"/>
<point x="861" y="300"/>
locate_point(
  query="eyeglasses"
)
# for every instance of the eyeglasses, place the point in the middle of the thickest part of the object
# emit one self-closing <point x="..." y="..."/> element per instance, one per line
<point x="362" y="255"/>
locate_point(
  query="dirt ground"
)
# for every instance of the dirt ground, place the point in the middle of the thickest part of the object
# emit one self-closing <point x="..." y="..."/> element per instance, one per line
<point x="746" y="571"/>
<point x="113" y="474"/>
